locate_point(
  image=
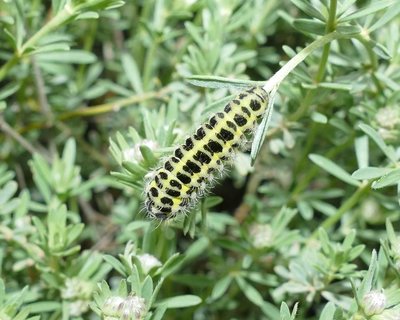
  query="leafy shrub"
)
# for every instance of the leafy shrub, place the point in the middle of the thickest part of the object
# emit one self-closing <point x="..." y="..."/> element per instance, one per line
<point x="94" y="87"/>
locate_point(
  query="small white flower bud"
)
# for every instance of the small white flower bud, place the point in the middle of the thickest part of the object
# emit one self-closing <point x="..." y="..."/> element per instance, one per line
<point x="148" y="262"/>
<point x="374" y="302"/>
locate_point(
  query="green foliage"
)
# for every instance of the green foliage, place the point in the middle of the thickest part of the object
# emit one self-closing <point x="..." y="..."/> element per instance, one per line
<point x="93" y="93"/>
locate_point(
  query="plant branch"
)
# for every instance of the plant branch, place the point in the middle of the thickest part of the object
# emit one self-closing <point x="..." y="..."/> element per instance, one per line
<point x="101" y="108"/>
<point x="60" y="18"/>
<point x="346" y="206"/>
<point x="111" y="106"/>
<point x="330" y="27"/>
<point x="278" y="77"/>
<point x="16" y="136"/>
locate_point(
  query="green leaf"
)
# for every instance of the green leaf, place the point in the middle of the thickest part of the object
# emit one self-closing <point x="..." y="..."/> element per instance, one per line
<point x="9" y="90"/>
<point x="319" y="117"/>
<point x="74" y="232"/>
<point x="261" y="132"/>
<point x="93" y="262"/>
<point x="382" y="51"/>
<point x="388" y="151"/>
<point x="309" y="9"/>
<point x="328" y="312"/>
<point x="147" y="288"/>
<point x="370" y="173"/>
<point x="389" y="15"/>
<point x="10" y="37"/>
<point x="195" y="33"/>
<point x="87" y="15"/>
<point x="305" y="210"/>
<point x="183" y="301"/>
<point x="362" y="152"/>
<point x="52" y="47"/>
<point x="5" y="175"/>
<point x="72" y="56"/>
<point x="171" y="265"/>
<point x="134" y="168"/>
<point x="197" y="248"/>
<point x="7" y="192"/>
<point x="148" y="156"/>
<point x="68" y="157"/>
<point x="220" y="82"/>
<point x="310" y="26"/>
<point x="115" y="263"/>
<point x="333" y="169"/>
<point x="43" y="306"/>
<point x="159" y="313"/>
<point x="285" y="313"/>
<point x="389" y="179"/>
<point x="372" y="7"/>
<point x="212" y="201"/>
<point x="132" y="72"/>
<point x="220" y="287"/>
<point x="148" y="126"/>
<point x="250" y="292"/>
<point x="349" y="30"/>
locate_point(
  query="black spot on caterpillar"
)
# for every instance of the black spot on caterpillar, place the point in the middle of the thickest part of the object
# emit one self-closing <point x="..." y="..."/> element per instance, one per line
<point x="181" y="180"/>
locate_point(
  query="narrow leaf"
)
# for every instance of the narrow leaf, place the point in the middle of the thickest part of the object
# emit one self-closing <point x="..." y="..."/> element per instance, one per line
<point x="333" y="169"/>
<point x="183" y="301"/>
<point x="370" y="173"/>
<point x="391" y="178"/>
<point x="388" y="151"/>
<point x="220" y="82"/>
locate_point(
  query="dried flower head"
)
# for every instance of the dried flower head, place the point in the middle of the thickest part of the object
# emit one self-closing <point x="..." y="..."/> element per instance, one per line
<point x="388" y="121"/>
<point x="77" y="288"/>
<point x="261" y="235"/>
<point x="388" y="117"/>
<point x="125" y="308"/>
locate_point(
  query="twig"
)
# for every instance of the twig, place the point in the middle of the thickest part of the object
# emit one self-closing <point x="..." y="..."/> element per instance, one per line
<point x="16" y="136"/>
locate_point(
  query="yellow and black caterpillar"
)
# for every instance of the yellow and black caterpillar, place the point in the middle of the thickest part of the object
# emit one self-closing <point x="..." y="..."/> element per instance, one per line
<point x="183" y="177"/>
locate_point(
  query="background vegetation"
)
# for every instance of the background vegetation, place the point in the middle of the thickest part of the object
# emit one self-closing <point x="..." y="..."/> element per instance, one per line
<point x="93" y="86"/>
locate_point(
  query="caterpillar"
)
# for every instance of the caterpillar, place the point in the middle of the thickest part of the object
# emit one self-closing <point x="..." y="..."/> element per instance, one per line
<point x="183" y="177"/>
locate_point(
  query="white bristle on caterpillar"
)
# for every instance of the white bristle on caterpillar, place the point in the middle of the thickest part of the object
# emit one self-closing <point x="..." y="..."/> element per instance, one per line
<point x="184" y="176"/>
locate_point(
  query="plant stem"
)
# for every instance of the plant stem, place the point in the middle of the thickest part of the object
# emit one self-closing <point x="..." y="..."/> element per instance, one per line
<point x="330" y="27"/>
<point x="61" y="17"/>
<point x="305" y="180"/>
<point x="373" y="58"/>
<point x="55" y="22"/>
<point x="8" y="130"/>
<point x="111" y="106"/>
<point x="347" y="205"/>
<point x="99" y="109"/>
<point x="6" y="67"/>
<point x="278" y="77"/>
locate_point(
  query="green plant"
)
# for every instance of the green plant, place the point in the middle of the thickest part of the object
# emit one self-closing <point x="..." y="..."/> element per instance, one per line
<point x="304" y="226"/>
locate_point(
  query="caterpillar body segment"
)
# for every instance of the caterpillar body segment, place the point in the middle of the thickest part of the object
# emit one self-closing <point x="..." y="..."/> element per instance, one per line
<point x="184" y="176"/>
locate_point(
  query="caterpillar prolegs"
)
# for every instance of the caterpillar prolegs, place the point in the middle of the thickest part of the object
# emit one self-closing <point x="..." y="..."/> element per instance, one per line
<point x="183" y="177"/>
